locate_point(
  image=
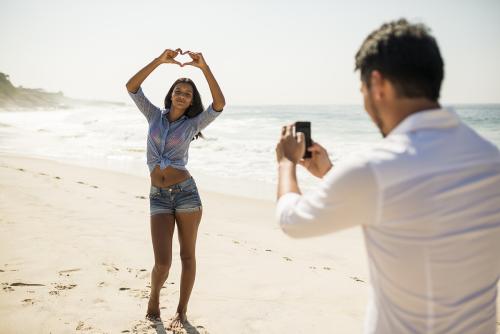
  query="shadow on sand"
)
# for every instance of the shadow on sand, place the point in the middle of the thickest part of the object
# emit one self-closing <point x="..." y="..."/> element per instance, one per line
<point x="188" y="328"/>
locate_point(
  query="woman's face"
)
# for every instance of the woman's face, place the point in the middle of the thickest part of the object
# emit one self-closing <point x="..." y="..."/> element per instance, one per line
<point x="182" y="95"/>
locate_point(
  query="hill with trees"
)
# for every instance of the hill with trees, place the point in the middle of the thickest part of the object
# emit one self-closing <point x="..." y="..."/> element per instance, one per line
<point x="20" y="98"/>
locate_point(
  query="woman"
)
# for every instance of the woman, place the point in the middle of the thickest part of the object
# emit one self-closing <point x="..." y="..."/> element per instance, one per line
<point x="174" y="198"/>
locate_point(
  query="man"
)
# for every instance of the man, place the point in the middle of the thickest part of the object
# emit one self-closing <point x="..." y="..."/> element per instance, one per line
<point x="427" y="198"/>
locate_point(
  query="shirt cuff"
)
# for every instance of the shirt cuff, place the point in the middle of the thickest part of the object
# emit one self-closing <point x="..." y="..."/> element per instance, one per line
<point x="285" y="204"/>
<point x="211" y="108"/>
<point x="138" y="91"/>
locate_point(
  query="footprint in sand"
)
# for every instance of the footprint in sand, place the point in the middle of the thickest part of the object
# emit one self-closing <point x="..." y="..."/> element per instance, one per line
<point x="83" y="327"/>
<point x="26" y="284"/>
<point x="140" y="197"/>
<point x="57" y="177"/>
<point x="28" y="302"/>
<point x="21" y="169"/>
<point x="60" y="287"/>
<point x="357" y="279"/>
<point x="146" y="326"/>
<point x="98" y="301"/>
<point x="90" y="185"/>
<point x="139" y="273"/>
<point x="327" y="268"/>
<point x="142" y="274"/>
<point x="110" y="268"/>
<point x="140" y="293"/>
<point x="68" y="271"/>
<point x="287" y="258"/>
<point x="268" y="250"/>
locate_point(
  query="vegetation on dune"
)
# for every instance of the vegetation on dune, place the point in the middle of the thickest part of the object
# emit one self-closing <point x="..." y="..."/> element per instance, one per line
<point x="12" y="97"/>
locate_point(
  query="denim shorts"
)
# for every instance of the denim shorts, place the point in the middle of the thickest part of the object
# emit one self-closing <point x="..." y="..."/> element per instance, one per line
<point x="179" y="197"/>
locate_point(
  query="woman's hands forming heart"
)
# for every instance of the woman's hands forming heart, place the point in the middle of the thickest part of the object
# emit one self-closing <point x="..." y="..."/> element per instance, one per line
<point x="168" y="56"/>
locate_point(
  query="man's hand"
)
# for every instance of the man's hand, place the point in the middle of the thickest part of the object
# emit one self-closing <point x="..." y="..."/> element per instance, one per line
<point x="319" y="164"/>
<point x="290" y="148"/>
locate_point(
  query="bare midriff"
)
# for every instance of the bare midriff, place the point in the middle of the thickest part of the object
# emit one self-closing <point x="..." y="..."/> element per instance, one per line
<point x="162" y="178"/>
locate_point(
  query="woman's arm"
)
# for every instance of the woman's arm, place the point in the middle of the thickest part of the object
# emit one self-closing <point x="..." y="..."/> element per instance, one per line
<point x="218" y="98"/>
<point x="166" y="57"/>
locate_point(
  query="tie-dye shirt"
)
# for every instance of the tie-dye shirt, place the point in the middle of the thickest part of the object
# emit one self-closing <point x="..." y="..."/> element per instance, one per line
<point x="168" y="142"/>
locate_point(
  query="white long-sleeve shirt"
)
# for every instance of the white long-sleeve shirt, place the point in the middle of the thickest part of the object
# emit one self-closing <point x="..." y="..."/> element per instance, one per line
<point x="428" y="199"/>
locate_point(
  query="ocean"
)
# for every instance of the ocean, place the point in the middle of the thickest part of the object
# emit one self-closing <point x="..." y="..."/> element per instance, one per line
<point x="238" y="149"/>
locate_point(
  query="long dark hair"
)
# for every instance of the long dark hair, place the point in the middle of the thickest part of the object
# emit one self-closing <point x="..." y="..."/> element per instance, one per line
<point x="196" y="106"/>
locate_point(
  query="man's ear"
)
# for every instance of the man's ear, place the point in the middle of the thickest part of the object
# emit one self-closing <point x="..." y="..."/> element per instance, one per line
<point x="377" y="85"/>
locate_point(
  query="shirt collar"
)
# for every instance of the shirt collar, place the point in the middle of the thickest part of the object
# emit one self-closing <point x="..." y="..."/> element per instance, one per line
<point x="441" y="118"/>
<point x="165" y="112"/>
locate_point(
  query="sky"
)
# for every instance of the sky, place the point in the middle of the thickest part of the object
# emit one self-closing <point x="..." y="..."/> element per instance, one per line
<point x="273" y="52"/>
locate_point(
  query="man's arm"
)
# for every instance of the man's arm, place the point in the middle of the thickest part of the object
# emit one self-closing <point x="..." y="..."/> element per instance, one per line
<point x="346" y="197"/>
<point x="287" y="178"/>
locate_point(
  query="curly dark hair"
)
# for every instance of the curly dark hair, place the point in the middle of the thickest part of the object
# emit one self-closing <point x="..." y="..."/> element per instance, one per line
<point x="407" y="55"/>
<point x="195" y="108"/>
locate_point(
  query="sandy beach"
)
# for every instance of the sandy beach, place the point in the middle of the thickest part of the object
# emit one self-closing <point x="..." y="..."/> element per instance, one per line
<point x="76" y="255"/>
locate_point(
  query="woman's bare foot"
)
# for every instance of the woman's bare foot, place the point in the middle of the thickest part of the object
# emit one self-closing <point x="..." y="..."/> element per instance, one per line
<point x="178" y="321"/>
<point x="153" y="312"/>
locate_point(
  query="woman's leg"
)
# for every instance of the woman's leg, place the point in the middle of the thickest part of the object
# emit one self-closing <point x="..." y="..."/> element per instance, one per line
<point x="162" y="231"/>
<point x="187" y="229"/>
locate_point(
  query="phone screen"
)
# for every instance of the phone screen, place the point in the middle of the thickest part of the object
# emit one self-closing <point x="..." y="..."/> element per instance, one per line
<point x="305" y="128"/>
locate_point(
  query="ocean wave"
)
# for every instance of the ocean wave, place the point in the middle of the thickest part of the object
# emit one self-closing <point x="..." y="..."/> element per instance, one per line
<point x="239" y="144"/>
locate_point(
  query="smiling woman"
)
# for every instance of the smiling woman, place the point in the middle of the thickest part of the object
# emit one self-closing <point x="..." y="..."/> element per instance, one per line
<point x="182" y="91"/>
<point x="174" y="197"/>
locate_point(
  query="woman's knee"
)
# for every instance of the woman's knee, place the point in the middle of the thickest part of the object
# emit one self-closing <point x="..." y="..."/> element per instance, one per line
<point x="162" y="268"/>
<point x="188" y="259"/>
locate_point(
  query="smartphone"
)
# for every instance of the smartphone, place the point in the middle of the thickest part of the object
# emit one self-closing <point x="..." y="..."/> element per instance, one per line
<point x="305" y="128"/>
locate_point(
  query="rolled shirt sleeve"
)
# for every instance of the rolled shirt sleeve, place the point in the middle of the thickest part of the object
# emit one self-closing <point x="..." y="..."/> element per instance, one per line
<point x="206" y="117"/>
<point x="346" y="197"/>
